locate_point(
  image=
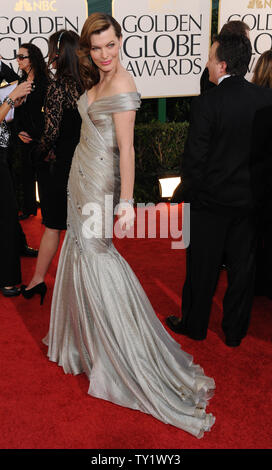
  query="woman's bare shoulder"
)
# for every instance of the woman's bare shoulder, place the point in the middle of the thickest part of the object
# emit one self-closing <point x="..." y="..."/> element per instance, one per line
<point x="123" y="82"/>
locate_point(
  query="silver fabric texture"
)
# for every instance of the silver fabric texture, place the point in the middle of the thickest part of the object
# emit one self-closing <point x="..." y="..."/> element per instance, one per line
<point x="102" y="322"/>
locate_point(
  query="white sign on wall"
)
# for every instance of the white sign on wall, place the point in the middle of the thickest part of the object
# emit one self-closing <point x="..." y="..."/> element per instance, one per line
<point x="165" y="44"/>
<point x="23" y="21"/>
<point x="258" y="16"/>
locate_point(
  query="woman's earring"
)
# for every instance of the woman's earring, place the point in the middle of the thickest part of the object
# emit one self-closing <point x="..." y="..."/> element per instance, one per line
<point x="121" y="53"/>
<point x="90" y="59"/>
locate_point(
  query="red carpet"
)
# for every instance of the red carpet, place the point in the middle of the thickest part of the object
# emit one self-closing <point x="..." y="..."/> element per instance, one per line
<point x="42" y="408"/>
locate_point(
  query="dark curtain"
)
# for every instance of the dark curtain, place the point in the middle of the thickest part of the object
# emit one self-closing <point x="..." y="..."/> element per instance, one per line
<point x="103" y="6"/>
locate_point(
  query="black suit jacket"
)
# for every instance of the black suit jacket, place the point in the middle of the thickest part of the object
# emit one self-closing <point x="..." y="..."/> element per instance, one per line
<point x="261" y="163"/>
<point x="205" y="83"/>
<point x="216" y="171"/>
<point x="8" y="74"/>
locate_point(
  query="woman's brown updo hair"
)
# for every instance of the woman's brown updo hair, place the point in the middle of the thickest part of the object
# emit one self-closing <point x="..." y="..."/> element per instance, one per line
<point x="95" y="24"/>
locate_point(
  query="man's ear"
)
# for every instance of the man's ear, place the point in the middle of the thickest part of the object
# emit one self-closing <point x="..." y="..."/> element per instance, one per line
<point x="223" y="67"/>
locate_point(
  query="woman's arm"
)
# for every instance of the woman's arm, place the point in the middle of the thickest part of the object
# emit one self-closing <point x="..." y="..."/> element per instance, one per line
<point x="124" y="127"/>
<point x="53" y="112"/>
<point x="21" y="90"/>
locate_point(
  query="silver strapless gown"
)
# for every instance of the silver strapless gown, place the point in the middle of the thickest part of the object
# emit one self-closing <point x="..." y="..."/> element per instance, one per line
<point x="102" y="322"/>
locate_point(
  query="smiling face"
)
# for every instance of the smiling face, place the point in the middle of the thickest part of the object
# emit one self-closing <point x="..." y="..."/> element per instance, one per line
<point x="23" y="59"/>
<point x="104" y="50"/>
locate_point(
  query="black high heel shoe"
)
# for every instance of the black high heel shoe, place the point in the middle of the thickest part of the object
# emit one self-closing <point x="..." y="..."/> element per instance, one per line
<point x="38" y="289"/>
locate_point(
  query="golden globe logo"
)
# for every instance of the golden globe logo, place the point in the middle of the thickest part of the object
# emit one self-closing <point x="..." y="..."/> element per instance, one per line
<point x="260" y="4"/>
<point x="40" y="5"/>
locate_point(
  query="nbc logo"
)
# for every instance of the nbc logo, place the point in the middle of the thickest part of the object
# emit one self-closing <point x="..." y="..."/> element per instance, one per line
<point x="260" y="4"/>
<point x="160" y="4"/>
<point x="41" y="5"/>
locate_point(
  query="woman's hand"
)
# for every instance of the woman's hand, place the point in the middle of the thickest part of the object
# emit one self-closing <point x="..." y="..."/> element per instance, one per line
<point x="21" y="90"/>
<point x="19" y="101"/>
<point x="126" y="215"/>
<point x="25" y="137"/>
<point x="50" y="156"/>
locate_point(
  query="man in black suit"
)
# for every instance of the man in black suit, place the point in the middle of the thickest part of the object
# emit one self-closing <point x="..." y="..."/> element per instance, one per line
<point x="217" y="184"/>
<point x="261" y="168"/>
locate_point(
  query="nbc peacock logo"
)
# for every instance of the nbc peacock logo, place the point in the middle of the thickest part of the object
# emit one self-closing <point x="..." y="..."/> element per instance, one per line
<point x="160" y="4"/>
<point x="35" y="5"/>
<point x="260" y="4"/>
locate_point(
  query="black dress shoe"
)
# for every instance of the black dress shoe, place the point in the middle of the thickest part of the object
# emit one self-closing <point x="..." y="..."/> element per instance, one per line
<point x="28" y="251"/>
<point x="233" y="343"/>
<point x="23" y="216"/>
<point x="10" y="292"/>
<point x="175" y="324"/>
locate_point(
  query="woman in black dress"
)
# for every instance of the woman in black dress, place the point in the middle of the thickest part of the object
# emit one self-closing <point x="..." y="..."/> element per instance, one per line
<point x="29" y="120"/>
<point x="29" y="117"/>
<point x="10" y="234"/>
<point x="58" y="142"/>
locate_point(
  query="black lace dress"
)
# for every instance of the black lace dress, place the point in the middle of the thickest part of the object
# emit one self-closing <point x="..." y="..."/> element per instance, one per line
<point x="58" y="142"/>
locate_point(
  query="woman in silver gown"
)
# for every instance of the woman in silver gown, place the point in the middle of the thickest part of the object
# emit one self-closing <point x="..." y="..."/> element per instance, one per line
<point x="102" y="322"/>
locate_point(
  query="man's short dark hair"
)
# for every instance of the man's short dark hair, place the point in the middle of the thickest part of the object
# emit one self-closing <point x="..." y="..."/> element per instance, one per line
<point x="235" y="27"/>
<point x="235" y="50"/>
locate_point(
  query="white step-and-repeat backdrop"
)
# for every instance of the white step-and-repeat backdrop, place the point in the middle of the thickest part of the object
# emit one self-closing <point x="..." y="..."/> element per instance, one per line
<point x="257" y="14"/>
<point x="165" y="44"/>
<point x="23" y="21"/>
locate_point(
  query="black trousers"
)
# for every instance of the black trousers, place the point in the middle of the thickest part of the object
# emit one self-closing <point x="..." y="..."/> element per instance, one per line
<point x="12" y="238"/>
<point x="211" y="235"/>
<point x="263" y="285"/>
